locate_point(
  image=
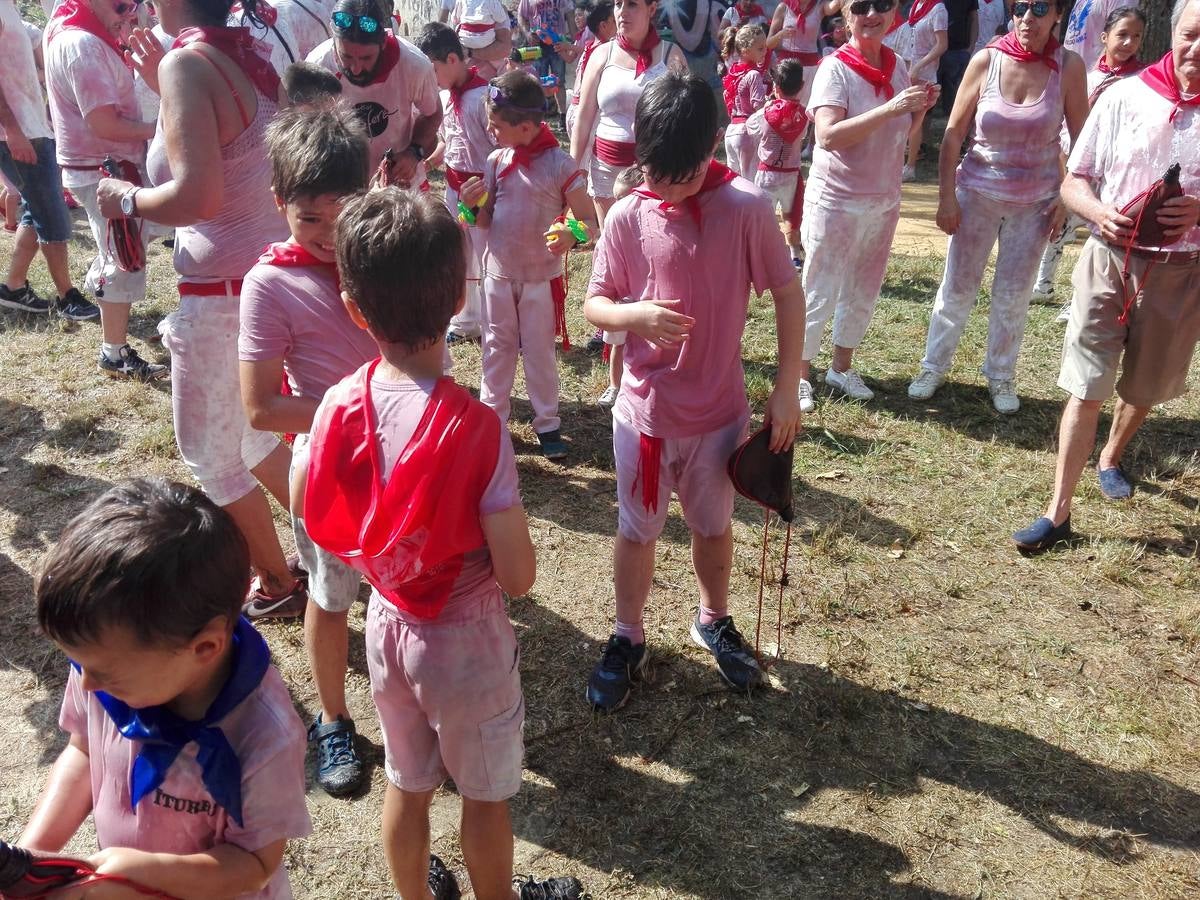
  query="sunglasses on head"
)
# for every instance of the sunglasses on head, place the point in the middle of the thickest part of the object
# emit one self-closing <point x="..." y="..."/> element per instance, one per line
<point x="864" y="7"/>
<point x="1040" y="8"/>
<point x="343" y="21"/>
<point x="499" y="99"/>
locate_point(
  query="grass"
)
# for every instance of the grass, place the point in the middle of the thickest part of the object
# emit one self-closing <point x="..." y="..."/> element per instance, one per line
<point x="949" y="719"/>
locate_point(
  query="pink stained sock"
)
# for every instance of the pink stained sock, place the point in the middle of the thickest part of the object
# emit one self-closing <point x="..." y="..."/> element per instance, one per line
<point x="708" y="616"/>
<point x="635" y="632"/>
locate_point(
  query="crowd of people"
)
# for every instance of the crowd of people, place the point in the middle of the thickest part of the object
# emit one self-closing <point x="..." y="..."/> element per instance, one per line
<point x="322" y="284"/>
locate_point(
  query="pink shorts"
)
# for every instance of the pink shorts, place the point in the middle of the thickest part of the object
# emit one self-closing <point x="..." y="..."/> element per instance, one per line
<point x="449" y="697"/>
<point x="694" y="468"/>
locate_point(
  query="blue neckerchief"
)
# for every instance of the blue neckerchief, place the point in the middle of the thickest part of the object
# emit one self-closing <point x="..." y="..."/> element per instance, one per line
<point x="163" y="734"/>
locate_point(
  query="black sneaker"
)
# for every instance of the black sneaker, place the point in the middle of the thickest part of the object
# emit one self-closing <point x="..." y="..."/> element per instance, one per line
<point x="552" y="444"/>
<point x="339" y="769"/>
<point x="76" y="307"/>
<point x="595" y="343"/>
<point x="619" y="665"/>
<point x="130" y="365"/>
<point x="529" y="888"/>
<point x="735" y="661"/>
<point x="24" y="298"/>
<point x="442" y="883"/>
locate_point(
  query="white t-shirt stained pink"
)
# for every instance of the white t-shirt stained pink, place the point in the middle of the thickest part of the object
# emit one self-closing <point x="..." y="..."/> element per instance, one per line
<point x="21" y="88"/>
<point x="1128" y="142"/>
<point x="307" y="21"/>
<point x="869" y="170"/>
<point x="181" y="816"/>
<point x="923" y="38"/>
<point x="483" y="18"/>
<point x="468" y="141"/>
<point x="648" y="253"/>
<point x="83" y="74"/>
<point x="528" y="200"/>
<point x="1086" y="24"/>
<point x="295" y="313"/>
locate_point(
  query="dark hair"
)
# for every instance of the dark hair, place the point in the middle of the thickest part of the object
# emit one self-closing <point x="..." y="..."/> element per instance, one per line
<point x="599" y="13"/>
<point x="356" y="8"/>
<point x="437" y="41"/>
<point x="676" y="127"/>
<point x="307" y="83"/>
<point x="788" y="77"/>
<point x="525" y="99"/>
<point x="1123" y="12"/>
<point x="402" y="257"/>
<point x="318" y="150"/>
<point x="152" y="556"/>
<point x="216" y="12"/>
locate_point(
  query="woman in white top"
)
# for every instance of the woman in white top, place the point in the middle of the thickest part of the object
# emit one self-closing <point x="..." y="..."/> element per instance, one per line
<point x="928" y="36"/>
<point x="795" y="31"/>
<point x="615" y="77"/>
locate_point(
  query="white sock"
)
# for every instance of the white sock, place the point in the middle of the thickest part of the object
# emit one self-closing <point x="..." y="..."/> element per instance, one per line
<point x="112" y="352"/>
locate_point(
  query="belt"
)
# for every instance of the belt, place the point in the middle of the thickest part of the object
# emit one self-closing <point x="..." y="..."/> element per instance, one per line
<point x="210" y="288"/>
<point x="738" y="120"/>
<point x="476" y="27"/>
<point x="1170" y="257"/>
<point x="783" y="170"/>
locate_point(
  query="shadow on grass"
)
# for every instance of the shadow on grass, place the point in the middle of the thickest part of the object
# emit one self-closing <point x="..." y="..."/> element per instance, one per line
<point x="693" y="789"/>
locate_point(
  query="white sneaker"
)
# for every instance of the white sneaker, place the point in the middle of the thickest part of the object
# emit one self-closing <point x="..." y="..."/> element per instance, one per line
<point x="1043" y="293"/>
<point x="908" y="173"/>
<point x="1004" y="396"/>
<point x="849" y="383"/>
<point x="925" y="385"/>
<point x="806" y="396"/>
<point x="608" y="398"/>
<point x="1064" y="314"/>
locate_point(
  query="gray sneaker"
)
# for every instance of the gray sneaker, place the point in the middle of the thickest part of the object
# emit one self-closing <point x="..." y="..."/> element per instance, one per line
<point x="130" y="365"/>
<point x="24" y="299"/>
<point x="76" y="307"/>
<point x="849" y="383"/>
<point x="735" y="659"/>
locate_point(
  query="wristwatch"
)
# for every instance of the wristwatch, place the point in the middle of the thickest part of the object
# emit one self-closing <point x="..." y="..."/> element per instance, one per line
<point x="129" y="203"/>
<point x="418" y="151"/>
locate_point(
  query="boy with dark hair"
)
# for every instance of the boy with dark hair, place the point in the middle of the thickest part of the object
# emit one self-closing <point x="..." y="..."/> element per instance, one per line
<point x="413" y="483"/>
<point x="295" y="329"/>
<point x="184" y="745"/>
<point x="463" y="146"/>
<point x="527" y="183"/>
<point x="307" y="83"/>
<point x="687" y="247"/>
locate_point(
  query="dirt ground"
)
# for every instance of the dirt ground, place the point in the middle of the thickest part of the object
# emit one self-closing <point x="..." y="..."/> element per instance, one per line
<point x="948" y="719"/>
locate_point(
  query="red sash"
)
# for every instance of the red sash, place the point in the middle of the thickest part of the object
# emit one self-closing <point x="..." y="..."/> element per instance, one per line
<point x="78" y="15"/>
<point x="252" y="56"/>
<point x="806" y="58"/>
<point x="408" y="537"/>
<point x="457" y="179"/>
<point x="731" y="82"/>
<point x="643" y="54"/>
<point x="1010" y="46"/>
<point x="1161" y="78"/>
<point x="476" y="27"/>
<point x="615" y="153"/>
<point x="881" y="78"/>
<point x="920" y="10"/>
<point x="456" y="93"/>
<point x="716" y="176"/>
<point x="527" y="153"/>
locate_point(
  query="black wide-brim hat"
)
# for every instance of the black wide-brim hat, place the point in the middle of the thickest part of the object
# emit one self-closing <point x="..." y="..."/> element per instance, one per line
<point x="763" y="476"/>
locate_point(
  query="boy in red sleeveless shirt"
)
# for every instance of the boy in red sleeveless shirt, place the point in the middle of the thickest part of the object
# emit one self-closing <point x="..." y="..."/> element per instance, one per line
<point x="413" y="483"/>
<point x="687" y="248"/>
<point x="464" y="143"/>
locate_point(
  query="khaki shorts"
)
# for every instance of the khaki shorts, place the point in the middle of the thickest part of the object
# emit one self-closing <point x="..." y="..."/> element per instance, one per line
<point x="1158" y="342"/>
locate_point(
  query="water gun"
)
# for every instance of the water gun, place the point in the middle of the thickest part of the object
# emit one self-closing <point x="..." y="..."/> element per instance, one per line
<point x="549" y="37"/>
<point x="562" y="227"/>
<point x="526" y="54"/>
<point x="466" y="213"/>
<point x="549" y="84"/>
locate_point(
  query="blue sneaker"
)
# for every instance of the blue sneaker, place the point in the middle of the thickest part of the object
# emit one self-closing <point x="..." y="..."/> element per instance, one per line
<point x="620" y="664"/>
<point x="1042" y="535"/>
<point x="552" y="444"/>
<point x="735" y="659"/>
<point x="1113" y="483"/>
<point x="340" y="771"/>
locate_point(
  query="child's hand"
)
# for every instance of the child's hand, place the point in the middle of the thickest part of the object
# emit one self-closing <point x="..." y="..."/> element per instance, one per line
<point x="657" y="321"/>
<point x="472" y="192"/>
<point x="783" y="415"/>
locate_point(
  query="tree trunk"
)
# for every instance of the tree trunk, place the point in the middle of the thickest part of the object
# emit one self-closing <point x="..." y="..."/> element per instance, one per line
<point x="1158" y="28"/>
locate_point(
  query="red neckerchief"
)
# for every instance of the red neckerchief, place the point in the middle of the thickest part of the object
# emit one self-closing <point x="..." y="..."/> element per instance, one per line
<point x="389" y="56"/>
<point x="1010" y="46"/>
<point x="1131" y="65"/>
<point x="920" y="10"/>
<point x="78" y="15"/>
<point x="1161" y="79"/>
<point x="644" y="54"/>
<point x="716" y="176"/>
<point x="252" y="56"/>
<point x="801" y="13"/>
<point x="729" y="84"/>
<point x="407" y="537"/>
<point x="786" y="118"/>
<point x="752" y="10"/>
<point x="291" y="255"/>
<point x="456" y="93"/>
<point x="881" y="78"/>
<point x="527" y="153"/>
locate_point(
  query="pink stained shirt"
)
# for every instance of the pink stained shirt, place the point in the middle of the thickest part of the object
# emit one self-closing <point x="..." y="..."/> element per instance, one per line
<point x="527" y="201"/>
<point x="775" y="155"/>
<point x="468" y="141"/>
<point x="923" y="39"/>
<point x="83" y="74"/>
<point x="295" y="313"/>
<point x="803" y="41"/>
<point x="390" y="108"/>
<point x="307" y="21"/>
<point x="181" y="816"/>
<point x="1128" y="142"/>
<point x="867" y="172"/>
<point x="22" y="89"/>
<point x="649" y="253"/>
<point x="751" y="94"/>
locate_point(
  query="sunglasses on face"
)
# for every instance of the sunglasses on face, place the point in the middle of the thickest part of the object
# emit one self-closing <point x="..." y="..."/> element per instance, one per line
<point x="1040" y="8"/>
<point x="864" y="7"/>
<point x="343" y="21"/>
